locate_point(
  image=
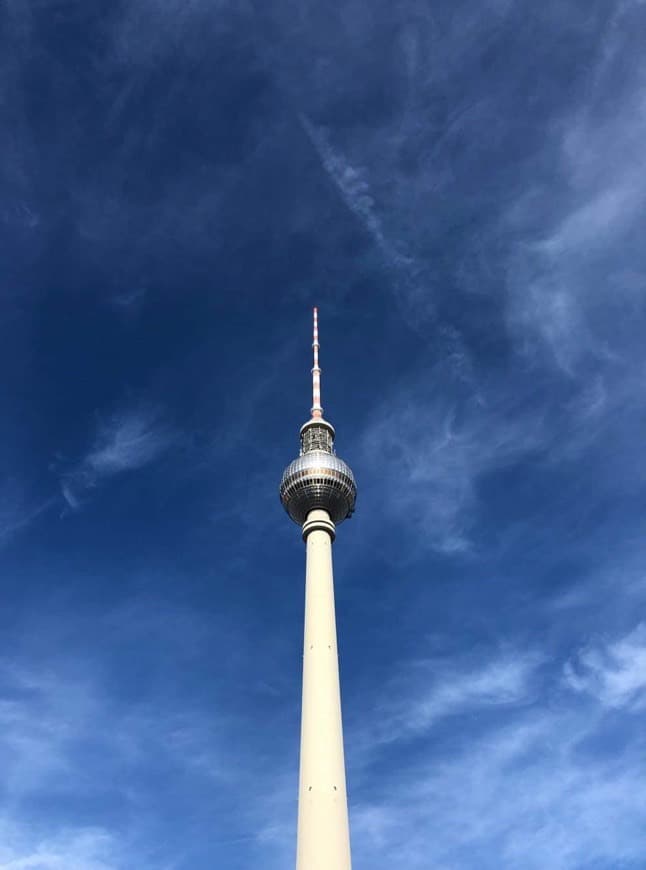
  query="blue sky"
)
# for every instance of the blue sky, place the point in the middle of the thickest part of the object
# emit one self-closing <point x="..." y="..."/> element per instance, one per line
<point x="461" y="188"/>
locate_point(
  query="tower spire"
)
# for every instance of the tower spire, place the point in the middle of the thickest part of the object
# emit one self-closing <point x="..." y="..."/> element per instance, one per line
<point x="317" y="410"/>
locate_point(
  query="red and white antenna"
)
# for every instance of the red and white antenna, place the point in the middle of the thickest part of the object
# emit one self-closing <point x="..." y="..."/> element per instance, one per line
<point x="317" y="410"/>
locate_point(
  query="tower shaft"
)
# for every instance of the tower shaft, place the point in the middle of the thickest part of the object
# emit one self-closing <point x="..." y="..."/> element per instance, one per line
<point x="323" y="827"/>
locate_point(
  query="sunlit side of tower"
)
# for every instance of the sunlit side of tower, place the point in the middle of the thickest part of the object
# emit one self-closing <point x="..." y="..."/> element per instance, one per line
<point x="318" y="492"/>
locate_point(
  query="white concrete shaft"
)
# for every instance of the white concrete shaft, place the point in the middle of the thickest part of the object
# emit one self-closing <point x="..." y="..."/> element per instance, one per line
<point x="323" y="828"/>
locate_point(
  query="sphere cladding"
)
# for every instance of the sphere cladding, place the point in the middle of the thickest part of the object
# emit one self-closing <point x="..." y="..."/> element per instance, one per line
<point x="318" y="481"/>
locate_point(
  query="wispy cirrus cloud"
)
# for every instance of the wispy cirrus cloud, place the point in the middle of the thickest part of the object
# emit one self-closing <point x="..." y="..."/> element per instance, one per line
<point x="425" y="692"/>
<point x="436" y="439"/>
<point x="524" y="794"/>
<point x="613" y="673"/>
<point x="435" y="449"/>
<point x="352" y="183"/>
<point x="52" y="722"/>
<point x="567" y="276"/>
<point x="408" y="276"/>
<point x="526" y="789"/>
<point x="70" y="732"/>
<point x="17" y="511"/>
<point x="129" y="440"/>
<point x="80" y="848"/>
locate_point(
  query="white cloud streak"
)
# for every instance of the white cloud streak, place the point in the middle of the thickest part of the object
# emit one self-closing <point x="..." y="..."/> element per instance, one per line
<point x="351" y="182"/>
<point x="67" y="733"/>
<point x="76" y="849"/>
<point x="354" y="188"/>
<point x="434" y="450"/>
<point x="523" y="790"/>
<point x="128" y="441"/>
<point x="427" y="691"/>
<point x="613" y="673"/>
<point x="16" y="511"/>
<point x="563" y="272"/>
<point x="46" y="719"/>
<point x="522" y="795"/>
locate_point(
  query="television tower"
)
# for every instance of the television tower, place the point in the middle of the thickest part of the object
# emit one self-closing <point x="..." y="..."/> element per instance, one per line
<point x="318" y="492"/>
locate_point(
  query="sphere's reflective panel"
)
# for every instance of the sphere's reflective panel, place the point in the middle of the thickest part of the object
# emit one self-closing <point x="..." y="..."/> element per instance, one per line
<point x="318" y="480"/>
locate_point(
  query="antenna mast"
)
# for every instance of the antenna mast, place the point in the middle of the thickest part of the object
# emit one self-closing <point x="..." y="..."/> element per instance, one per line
<point x="317" y="410"/>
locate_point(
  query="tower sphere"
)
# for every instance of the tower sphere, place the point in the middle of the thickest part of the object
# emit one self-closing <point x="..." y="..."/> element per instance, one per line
<point x="318" y="480"/>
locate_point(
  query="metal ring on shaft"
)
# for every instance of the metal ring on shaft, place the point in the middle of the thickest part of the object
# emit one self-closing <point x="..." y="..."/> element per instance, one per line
<point x="319" y="524"/>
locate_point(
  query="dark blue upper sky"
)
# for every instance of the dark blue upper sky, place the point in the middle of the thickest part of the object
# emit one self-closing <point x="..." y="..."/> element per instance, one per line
<point x="461" y="189"/>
